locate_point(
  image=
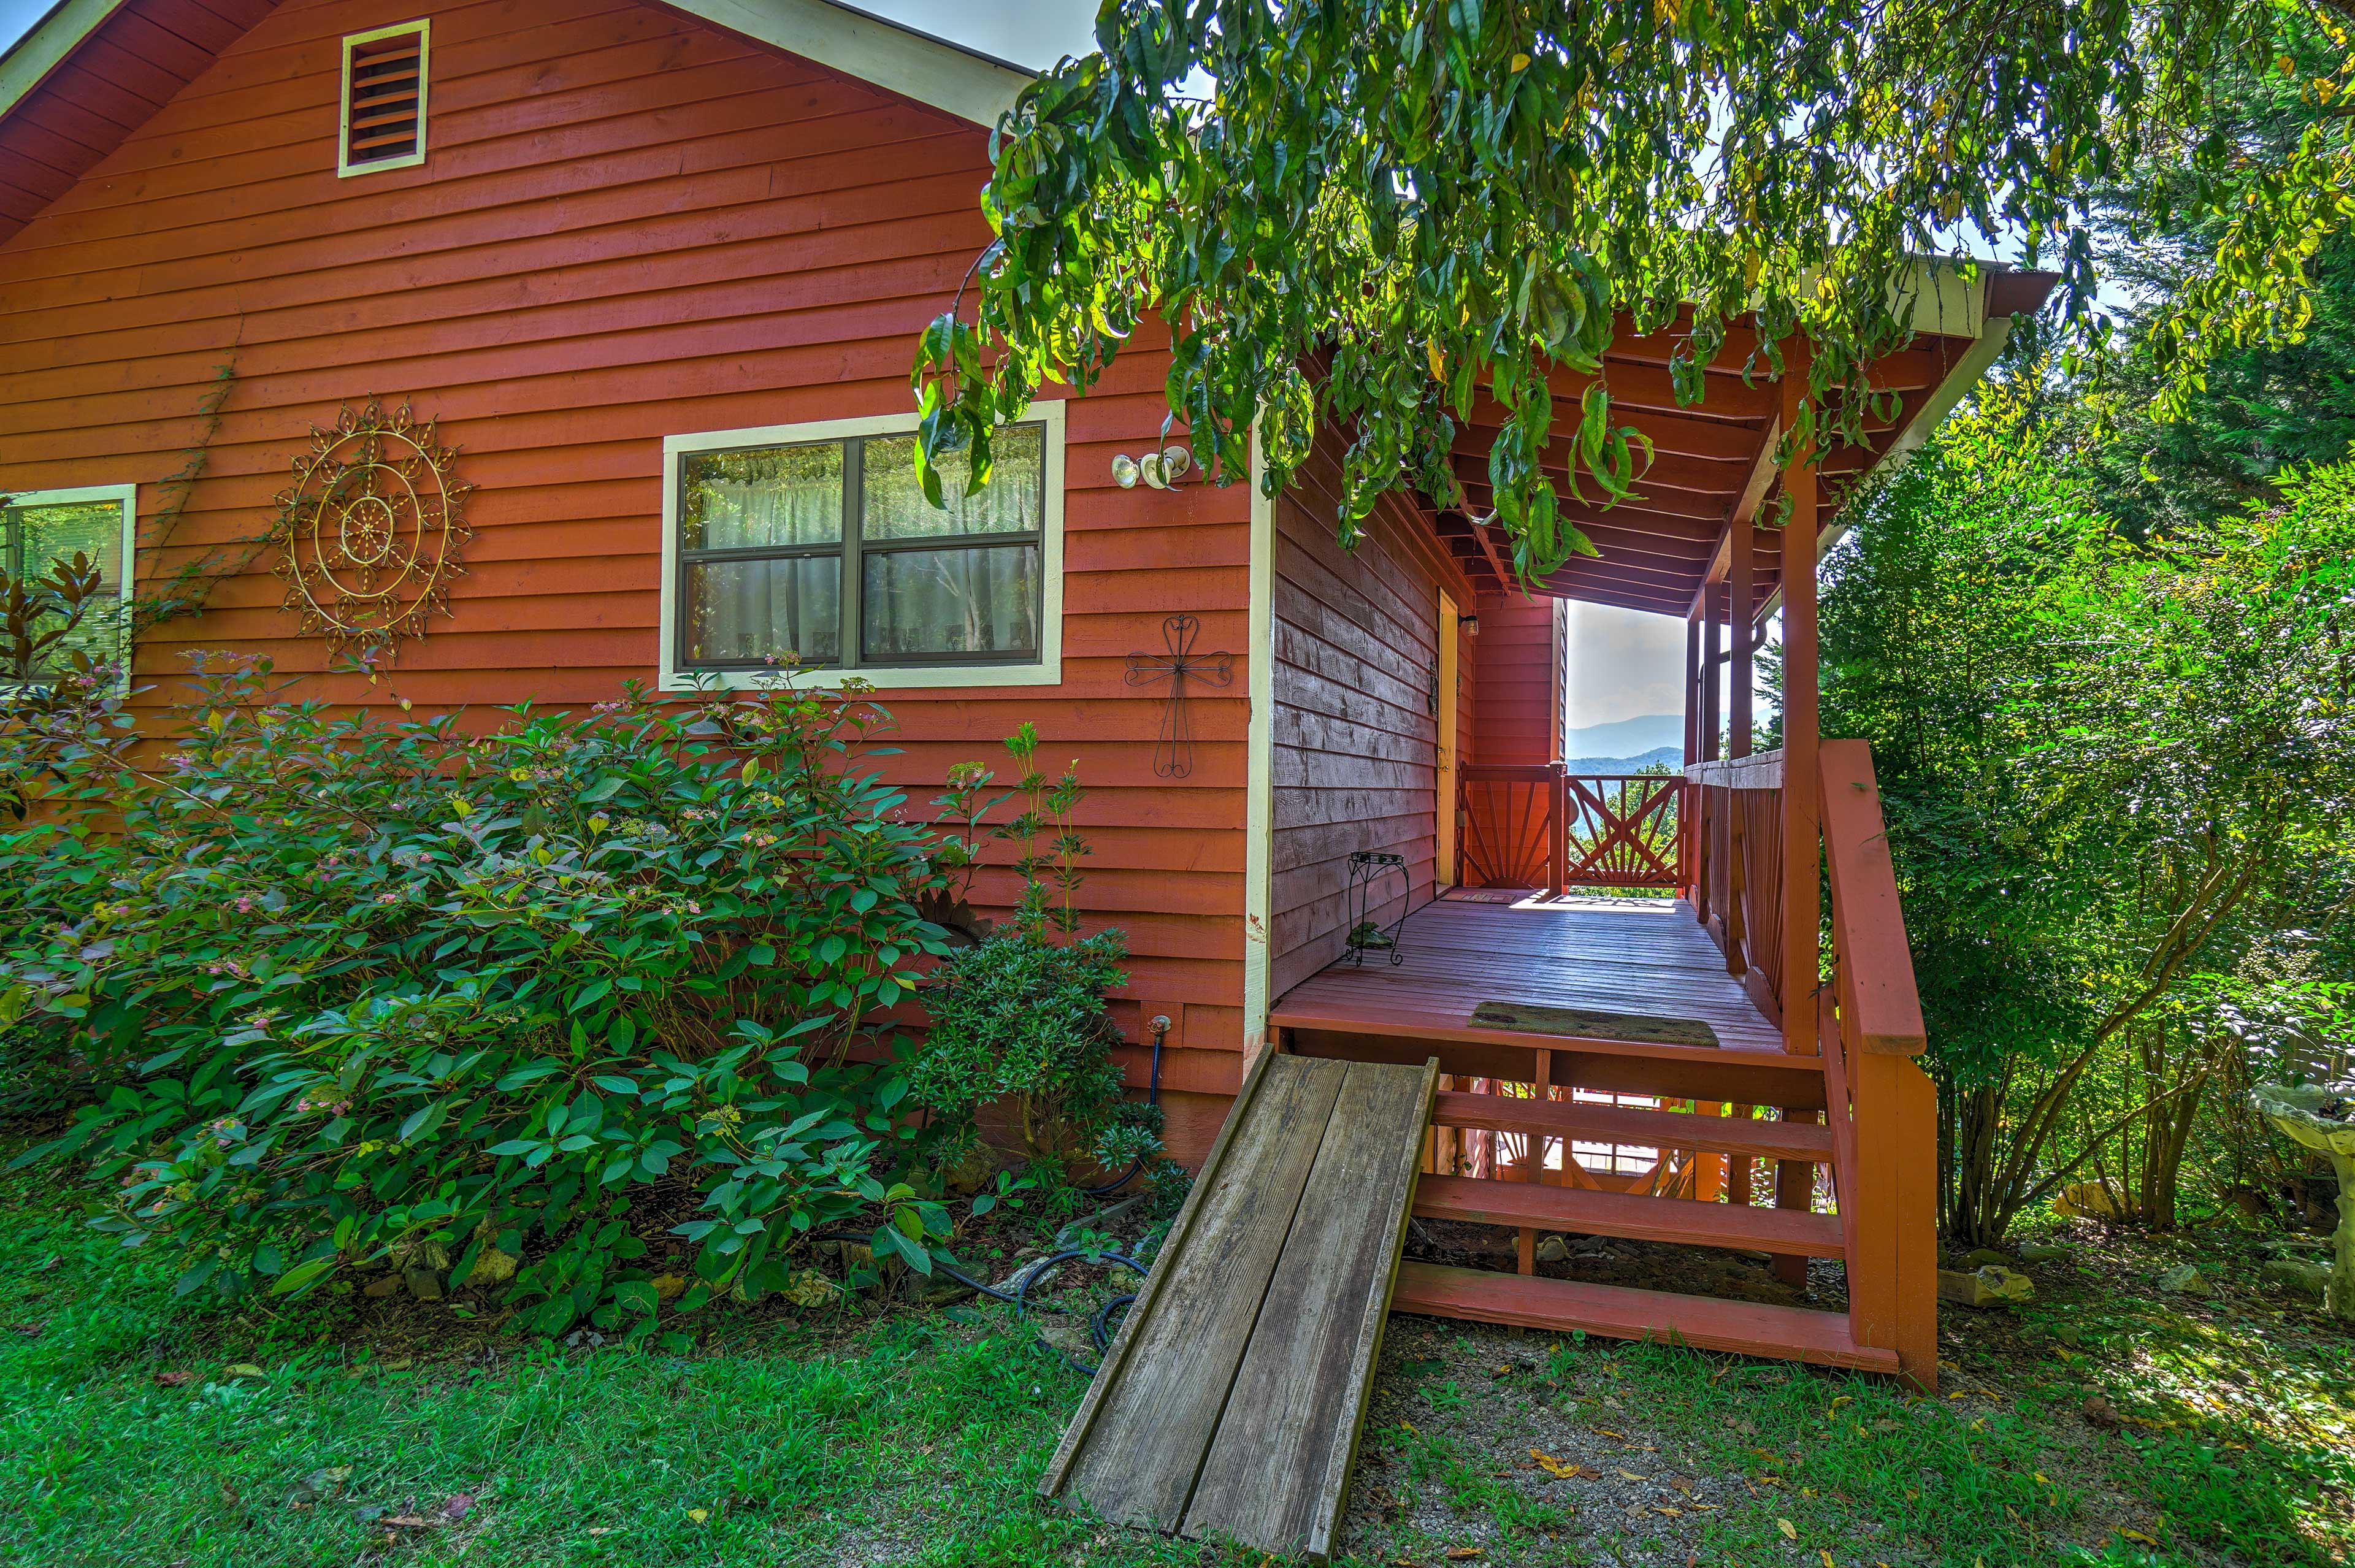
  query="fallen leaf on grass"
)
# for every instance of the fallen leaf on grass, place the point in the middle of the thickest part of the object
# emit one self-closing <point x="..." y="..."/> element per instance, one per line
<point x="456" y="1508"/>
<point x="1629" y="1476"/>
<point x="1670" y="1512"/>
<point x="1564" y="1469"/>
<point x="247" y="1370"/>
<point x="1826" y="1556"/>
<point x="173" y="1379"/>
<point x="412" y="1521"/>
<point x="1608" y="1432"/>
<point x="1790" y="1532"/>
<point x="319" y="1485"/>
<point x="1460" y="1553"/>
<point x="698" y="1514"/>
<point x="2139" y="1535"/>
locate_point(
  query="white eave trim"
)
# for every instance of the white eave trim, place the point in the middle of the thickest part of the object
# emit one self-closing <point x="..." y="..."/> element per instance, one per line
<point x="46" y="45"/>
<point x="932" y="71"/>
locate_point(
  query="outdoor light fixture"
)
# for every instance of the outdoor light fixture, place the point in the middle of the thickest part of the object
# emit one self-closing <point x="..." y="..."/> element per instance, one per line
<point x="1470" y="625"/>
<point x="1158" y="470"/>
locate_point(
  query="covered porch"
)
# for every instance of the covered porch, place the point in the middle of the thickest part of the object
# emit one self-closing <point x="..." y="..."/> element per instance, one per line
<point x="1647" y="1020"/>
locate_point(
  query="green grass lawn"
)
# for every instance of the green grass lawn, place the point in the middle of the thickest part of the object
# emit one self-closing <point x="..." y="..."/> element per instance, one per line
<point x="136" y="1430"/>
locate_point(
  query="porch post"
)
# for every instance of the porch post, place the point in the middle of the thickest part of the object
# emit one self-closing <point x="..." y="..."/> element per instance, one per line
<point x="1692" y="683"/>
<point x="1712" y="671"/>
<point x="1690" y="820"/>
<point x="1739" y="610"/>
<point x="1802" y="819"/>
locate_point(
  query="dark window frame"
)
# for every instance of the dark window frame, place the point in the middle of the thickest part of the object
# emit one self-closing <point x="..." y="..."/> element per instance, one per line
<point x="851" y="551"/>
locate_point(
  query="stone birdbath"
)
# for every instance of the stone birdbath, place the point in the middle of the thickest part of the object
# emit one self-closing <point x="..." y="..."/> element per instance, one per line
<point x="2323" y="1118"/>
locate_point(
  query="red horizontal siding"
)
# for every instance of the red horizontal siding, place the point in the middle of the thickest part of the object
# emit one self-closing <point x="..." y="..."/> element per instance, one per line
<point x="1355" y="741"/>
<point x="627" y="226"/>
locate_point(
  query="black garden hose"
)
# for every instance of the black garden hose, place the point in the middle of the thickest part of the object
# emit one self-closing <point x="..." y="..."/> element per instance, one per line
<point x="1100" y="1328"/>
<point x="1152" y="1097"/>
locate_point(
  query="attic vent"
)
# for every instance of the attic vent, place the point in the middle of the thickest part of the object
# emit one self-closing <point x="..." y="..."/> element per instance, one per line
<point x="384" y="99"/>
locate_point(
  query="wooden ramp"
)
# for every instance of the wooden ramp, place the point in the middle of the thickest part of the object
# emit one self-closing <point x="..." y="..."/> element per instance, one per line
<point x="1230" y="1403"/>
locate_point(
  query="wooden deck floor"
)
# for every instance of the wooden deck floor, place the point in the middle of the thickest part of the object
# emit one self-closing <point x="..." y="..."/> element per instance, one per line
<point x="1230" y="1403"/>
<point x="1625" y="955"/>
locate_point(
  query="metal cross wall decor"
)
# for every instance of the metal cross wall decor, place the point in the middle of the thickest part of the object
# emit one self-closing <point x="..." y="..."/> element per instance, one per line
<point x="1173" y="758"/>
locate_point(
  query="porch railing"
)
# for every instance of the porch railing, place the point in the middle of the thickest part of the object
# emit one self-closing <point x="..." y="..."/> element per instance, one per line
<point x="1535" y="825"/>
<point x="1733" y="863"/>
<point x="1881" y="1109"/>
<point x="1884" y="1111"/>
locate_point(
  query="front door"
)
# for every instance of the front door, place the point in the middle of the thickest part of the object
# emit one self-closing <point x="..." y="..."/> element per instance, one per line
<point x="1444" y="875"/>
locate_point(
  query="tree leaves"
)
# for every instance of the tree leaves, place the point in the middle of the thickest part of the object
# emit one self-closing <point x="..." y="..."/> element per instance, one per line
<point x="1381" y="214"/>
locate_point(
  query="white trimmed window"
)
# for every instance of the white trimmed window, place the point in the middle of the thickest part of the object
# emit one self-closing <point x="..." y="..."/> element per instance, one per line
<point x="40" y="529"/>
<point x="811" y="547"/>
<point x="383" y="124"/>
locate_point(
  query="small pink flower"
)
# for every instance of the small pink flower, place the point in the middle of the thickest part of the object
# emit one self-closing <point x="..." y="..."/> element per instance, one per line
<point x="244" y="903"/>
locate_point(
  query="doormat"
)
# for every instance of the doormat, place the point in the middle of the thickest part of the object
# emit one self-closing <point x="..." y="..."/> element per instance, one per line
<point x="1589" y="1024"/>
<point x="1487" y="895"/>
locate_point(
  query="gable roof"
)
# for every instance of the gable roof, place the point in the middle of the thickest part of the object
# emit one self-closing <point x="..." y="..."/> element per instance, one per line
<point x="112" y="64"/>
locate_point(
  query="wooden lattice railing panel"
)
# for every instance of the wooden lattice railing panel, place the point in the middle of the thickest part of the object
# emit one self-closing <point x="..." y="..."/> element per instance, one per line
<point x="1622" y="830"/>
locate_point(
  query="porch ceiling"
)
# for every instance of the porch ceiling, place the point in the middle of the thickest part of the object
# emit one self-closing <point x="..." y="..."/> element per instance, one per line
<point x="1657" y="547"/>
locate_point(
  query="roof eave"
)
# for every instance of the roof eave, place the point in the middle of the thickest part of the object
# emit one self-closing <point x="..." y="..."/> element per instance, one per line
<point x="929" y="70"/>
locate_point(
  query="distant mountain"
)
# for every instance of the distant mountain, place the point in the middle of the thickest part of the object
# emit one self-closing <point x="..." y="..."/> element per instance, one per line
<point x="1673" y="756"/>
<point x="1627" y="736"/>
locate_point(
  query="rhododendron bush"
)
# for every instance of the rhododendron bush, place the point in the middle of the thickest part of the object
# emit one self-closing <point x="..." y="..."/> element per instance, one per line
<point x="347" y="990"/>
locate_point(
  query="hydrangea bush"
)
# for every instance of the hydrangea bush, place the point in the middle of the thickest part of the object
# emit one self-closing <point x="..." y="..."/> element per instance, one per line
<point x="442" y="996"/>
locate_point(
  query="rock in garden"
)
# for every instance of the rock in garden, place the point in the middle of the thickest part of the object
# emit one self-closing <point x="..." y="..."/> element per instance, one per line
<point x="2300" y="1277"/>
<point x="808" y="1287"/>
<point x="2185" y="1279"/>
<point x="2045" y="1253"/>
<point x="1993" y="1286"/>
<point x="1552" y="1249"/>
<point x="493" y="1266"/>
<point x="2087" y="1200"/>
<point x="1988" y="1257"/>
<point x="383" y="1287"/>
<point x="424" y="1283"/>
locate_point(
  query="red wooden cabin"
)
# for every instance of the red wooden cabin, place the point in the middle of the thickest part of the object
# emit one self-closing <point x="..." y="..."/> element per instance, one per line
<point x="656" y="272"/>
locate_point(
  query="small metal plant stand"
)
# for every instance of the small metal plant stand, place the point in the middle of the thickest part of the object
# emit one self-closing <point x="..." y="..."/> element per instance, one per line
<point x="1368" y="868"/>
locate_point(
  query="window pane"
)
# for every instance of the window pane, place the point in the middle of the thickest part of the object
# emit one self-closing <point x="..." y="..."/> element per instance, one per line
<point x="47" y="535"/>
<point x="55" y="533"/>
<point x="741" y="610"/>
<point x="1010" y="504"/>
<point x="932" y="602"/>
<point x="774" y="497"/>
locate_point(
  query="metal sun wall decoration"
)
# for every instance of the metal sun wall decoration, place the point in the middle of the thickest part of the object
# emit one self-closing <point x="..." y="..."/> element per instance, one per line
<point x="1173" y="758"/>
<point x="371" y="531"/>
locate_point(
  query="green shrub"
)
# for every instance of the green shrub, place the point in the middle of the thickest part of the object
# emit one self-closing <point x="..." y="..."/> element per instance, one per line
<point x="1019" y="1019"/>
<point x="351" y="990"/>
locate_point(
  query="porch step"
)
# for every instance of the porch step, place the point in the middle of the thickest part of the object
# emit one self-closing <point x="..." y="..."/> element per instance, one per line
<point x="1747" y="1326"/>
<point x="1375" y="1033"/>
<point x="1590" y="1123"/>
<point x="1528" y="1204"/>
<point x="1377" y="1022"/>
